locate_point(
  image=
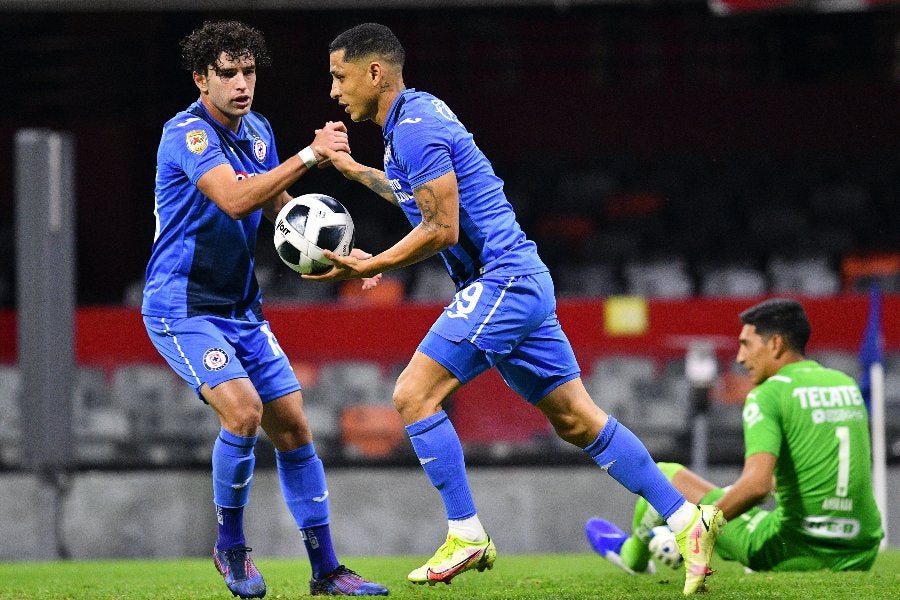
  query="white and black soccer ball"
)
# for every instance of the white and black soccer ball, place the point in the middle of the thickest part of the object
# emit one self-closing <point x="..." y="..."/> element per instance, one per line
<point x="664" y="548"/>
<point x="309" y="224"/>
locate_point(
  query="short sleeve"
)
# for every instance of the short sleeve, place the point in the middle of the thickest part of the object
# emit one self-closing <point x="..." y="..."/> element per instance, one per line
<point x="194" y="148"/>
<point x="762" y="423"/>
<point x="422" y="147"/>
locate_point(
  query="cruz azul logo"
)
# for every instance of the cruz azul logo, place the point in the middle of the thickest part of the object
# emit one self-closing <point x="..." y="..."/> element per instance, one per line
<point x="215" y="359"/>
<point x="260" y="149"/>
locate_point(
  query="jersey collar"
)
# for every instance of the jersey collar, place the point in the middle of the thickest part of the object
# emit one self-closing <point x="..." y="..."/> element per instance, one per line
<point x="212" y="121"/>
<point x="394" y="113"/>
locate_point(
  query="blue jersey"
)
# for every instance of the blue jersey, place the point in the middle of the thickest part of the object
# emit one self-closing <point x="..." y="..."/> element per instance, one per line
<point x="202" y="261"/>
<point x="423" y="140"/>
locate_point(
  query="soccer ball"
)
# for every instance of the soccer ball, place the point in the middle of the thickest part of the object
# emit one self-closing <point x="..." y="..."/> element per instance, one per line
<point x="664" y="548"/>
<point x="309" y="224"/>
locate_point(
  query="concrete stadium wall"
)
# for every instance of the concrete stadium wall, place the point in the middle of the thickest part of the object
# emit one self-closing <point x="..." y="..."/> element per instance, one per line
<point x="378" y="511"/>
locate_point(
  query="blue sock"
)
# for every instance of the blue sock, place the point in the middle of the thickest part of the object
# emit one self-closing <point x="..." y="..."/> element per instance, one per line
<point x="303" y="486"/>
<point x="436" y="444"/>
<point x="619" y="452"/>
<point x="232" y="472"/>
<point x="322" y="558"/>
<point x="231" y="527"/>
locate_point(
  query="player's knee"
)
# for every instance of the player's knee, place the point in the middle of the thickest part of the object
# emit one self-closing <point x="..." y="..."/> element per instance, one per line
<point x="242" y="419"/>
<point x="412" y="404"/>
<point x="405" y="402"/>
<point x="572" y="429"/>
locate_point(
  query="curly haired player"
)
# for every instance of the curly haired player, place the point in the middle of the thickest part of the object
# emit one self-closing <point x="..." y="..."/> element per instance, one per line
<point x="217" y="173"/>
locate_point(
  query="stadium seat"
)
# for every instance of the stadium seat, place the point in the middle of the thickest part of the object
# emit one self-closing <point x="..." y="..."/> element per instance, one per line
<point x="371" y="431"/>
<point x="740" y="281"/>
<point x="99" y="424"/>
<point x="614" y="394"/>
<point x="862" y="272"/>
<point x="344" y="383"/>
<point x="812" y="276"/>
<point x="593" y="280"/>
<point x="845" y="361"/>
<point x="633" y="367"/>
<point x="486" y="412"/>
<point x="659" y="278"/>
<point x="152" y="398"/>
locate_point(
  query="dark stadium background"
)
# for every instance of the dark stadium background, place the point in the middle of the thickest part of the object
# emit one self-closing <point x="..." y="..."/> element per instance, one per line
<point x="692" y="128"/>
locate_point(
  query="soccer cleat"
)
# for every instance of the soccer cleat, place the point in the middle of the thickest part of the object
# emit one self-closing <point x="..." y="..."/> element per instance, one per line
<point x="241" y="575"/>
<point x="606" y="539"/>
<point x="452" y="558"/>
<point x="696" y="543"/>
<point x="344" y="582"/>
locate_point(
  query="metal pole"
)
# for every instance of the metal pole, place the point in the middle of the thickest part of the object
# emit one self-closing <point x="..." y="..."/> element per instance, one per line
<point x="45" y="308"/>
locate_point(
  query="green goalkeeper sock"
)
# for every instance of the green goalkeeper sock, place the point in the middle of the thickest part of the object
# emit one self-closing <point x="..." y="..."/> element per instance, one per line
<point x="635" y="552"/>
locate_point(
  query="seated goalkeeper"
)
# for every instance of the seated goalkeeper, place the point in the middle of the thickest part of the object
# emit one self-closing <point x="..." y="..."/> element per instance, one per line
<point x="805" y="428"/>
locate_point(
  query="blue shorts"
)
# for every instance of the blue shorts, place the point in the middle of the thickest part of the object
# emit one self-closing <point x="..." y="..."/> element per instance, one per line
<point x="508" y="322"/>
<point x="210" y="349"/>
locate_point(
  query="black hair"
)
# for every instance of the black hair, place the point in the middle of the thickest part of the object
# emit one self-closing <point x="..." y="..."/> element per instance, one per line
<point x="369" y="38"/>
<point x="783" y="317"/>
<point x="203" y="47"/>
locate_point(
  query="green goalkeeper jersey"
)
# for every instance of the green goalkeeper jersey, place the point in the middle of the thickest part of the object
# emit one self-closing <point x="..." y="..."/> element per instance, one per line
<point x="814" y="421"/>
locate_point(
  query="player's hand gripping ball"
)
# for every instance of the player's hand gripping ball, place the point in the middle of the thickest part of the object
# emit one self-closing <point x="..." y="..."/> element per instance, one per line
<point x="664" y="548"/>
<point x="309" y="224"/>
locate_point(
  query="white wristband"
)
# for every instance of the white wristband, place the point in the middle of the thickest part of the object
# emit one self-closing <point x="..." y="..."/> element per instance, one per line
<point x="308" y="157"/>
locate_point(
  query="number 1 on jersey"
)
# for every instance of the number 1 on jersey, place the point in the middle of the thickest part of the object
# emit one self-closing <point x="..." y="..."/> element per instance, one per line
<point x="843" y="475"/>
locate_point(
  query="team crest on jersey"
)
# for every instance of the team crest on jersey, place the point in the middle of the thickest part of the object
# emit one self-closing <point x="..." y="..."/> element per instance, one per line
<point x="215" y="359"/>
<point x="196" y="141"/>
<point x="259" y="149"/>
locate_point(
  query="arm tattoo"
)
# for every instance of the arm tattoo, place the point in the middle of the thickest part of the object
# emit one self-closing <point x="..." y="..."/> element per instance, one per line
<point x="432" y="214"/>
<point x="376" y="181"/>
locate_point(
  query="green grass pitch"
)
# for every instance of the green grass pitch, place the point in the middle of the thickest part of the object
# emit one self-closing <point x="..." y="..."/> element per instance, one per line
<point x="514" y="577"/>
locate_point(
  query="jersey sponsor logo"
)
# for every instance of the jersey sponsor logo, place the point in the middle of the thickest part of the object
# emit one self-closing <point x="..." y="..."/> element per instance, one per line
<point x="836" y="396"/>
<point x="752" y="414"/>
<point x="215" y="359"/>
<point x="410" y="121"/>
<point x="196" y="141"/>
<point x="837" y="415"/>
<point x="260" y="149"/>
<point x="831" y="404"/>
<point x="831" y="527"/>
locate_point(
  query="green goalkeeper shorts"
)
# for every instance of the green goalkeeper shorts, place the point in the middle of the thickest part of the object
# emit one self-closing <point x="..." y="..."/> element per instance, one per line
<point x="756" y="540"/>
